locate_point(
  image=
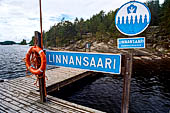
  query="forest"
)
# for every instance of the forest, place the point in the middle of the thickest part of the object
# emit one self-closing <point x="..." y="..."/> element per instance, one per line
<point x="101" y="27"/>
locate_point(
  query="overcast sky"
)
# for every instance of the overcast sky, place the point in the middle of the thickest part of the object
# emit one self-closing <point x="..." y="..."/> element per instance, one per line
<point x="20" y="18"/>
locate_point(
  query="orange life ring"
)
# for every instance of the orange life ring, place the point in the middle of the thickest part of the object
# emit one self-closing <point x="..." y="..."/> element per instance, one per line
<point x="42" y="67"/>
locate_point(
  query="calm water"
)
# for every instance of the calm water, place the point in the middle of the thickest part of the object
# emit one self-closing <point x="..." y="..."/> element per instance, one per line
<point x="11" y="61"/>
<point x="11" y="64"/>
<point x="150" y="89"/>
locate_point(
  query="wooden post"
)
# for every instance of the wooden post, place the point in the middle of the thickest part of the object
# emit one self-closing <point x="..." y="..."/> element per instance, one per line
<point x="41" y="25"/>
<point x="127" y="79"/>
<point x="42" y="85"/>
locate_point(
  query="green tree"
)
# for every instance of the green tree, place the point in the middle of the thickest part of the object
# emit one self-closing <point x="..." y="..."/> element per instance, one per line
<point x="101" y="26"/>
<point x="51" y="36"/>
<point x="155" y="9"/>
<point x="165" y="17"/>
<point x="32" y="41"/>
<point x="23" y="42"/>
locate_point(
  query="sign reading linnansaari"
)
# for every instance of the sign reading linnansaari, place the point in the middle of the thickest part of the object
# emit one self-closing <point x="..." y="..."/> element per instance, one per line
<point x="110" y="63"/>
<point x="132" y="18"/>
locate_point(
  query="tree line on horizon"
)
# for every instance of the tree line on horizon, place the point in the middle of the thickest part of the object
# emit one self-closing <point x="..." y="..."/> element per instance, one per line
<point x="101" y="27"/>
<point x="23" y="42"/>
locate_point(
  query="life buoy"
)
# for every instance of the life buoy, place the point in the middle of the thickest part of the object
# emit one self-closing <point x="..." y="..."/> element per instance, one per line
<point x="41" y="53"/>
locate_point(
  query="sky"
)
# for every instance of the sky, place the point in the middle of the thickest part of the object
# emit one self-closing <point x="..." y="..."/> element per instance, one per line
<point x="20" y="18"/>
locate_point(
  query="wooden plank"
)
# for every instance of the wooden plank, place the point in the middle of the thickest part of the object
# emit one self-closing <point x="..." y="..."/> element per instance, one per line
<point x="25" y="85"/>
<point x="11" y="106"/>
<point x="15" y="101"/>
<point x="25" y="80"/>
<point x="68" y="105"/>
<point x="50" y="107"/>
<point x="2" y="109"/>
<point x="26" y="102"/>
<point x="15" y="94"/>
<point x="16" y="87"/>
<point x="63" y="83"/>
<point x="60" y="74"/>
<point x="19" y="96"/>
<point x="74" y="106"/>
<point x="22" y="99"/>
<point x="7" y="109"/>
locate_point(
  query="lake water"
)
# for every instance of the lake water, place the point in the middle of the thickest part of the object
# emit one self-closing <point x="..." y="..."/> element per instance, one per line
<point x="150" y="89"/>
<point x="11" y="63"/>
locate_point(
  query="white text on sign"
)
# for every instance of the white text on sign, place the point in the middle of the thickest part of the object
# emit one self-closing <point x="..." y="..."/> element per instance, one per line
<point x="110" y="63"/>
<point x="128" y="43"/>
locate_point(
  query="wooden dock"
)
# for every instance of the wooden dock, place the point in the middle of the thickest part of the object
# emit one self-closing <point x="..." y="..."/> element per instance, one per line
<point x="20" y="95"/>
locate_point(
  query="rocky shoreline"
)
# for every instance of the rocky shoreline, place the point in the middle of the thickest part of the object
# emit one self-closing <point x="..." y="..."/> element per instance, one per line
<point x="138" y="54"/>
<point x="157" y="46"/>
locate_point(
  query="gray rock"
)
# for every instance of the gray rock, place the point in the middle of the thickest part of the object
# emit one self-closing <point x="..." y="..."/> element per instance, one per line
<point x="160" y="48"/>
<point x="154" y="45"/>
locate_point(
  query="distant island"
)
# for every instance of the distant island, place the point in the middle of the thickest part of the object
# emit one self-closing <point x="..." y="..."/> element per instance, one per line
<point x="7" y="43"/>
<point x="23" y="42"/>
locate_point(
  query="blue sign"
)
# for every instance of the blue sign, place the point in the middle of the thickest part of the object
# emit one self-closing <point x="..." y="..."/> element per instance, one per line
<point x="110" y="63"/>
<point x="132" y="18"/>
<point x="127" y="43"/>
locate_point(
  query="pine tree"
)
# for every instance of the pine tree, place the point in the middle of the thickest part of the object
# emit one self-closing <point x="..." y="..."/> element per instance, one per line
<point x="165" y="17"/>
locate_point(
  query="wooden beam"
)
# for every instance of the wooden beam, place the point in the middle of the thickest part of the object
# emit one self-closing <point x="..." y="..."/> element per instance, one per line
<point x="127" y="80"/>
<point x="41" y="79"/>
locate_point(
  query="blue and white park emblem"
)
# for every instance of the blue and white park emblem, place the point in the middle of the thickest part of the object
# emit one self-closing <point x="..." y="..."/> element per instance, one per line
<point x="132" y="18"/>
